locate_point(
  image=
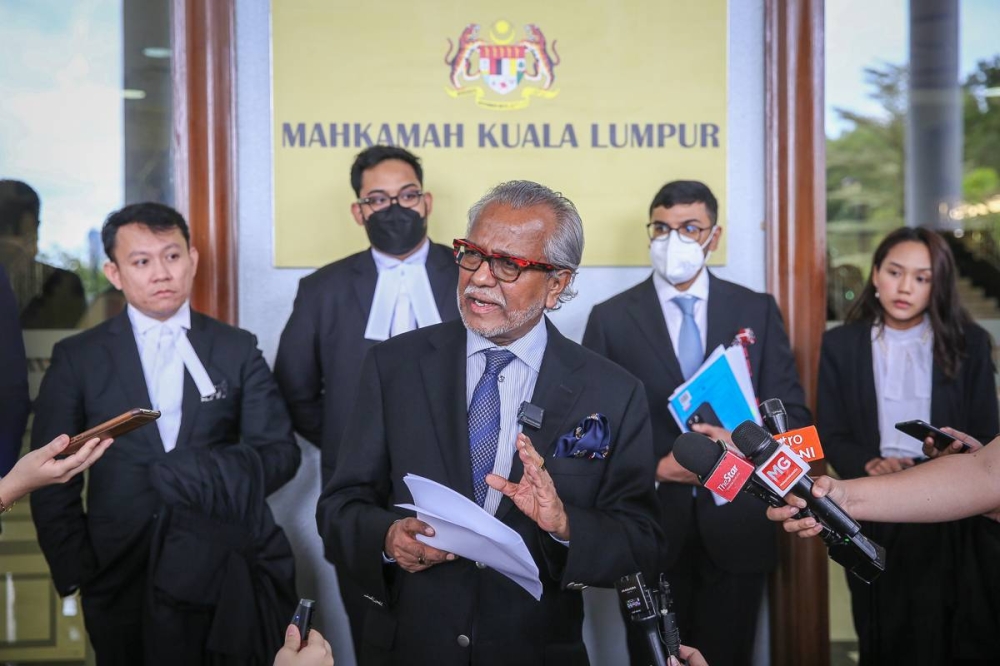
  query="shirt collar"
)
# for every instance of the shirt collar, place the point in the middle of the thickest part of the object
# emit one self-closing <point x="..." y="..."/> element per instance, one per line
<point x="922" y="332"/>
<point x="385" y="261"/>
<point x="667" y="291"/>
<point x="142" y="323"/>
<point x="530" y="347"/>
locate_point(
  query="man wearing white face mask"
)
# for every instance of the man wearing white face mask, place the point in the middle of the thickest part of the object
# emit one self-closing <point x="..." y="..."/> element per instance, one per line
<point x="661" y="330"/>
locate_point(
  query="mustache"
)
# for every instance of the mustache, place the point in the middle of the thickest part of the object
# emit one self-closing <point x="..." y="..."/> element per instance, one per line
<point x="488" y="295"/>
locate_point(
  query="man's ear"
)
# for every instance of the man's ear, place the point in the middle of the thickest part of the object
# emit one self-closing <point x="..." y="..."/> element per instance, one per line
<point x="556" y="286"/>
<point x="356" y="213"/>
<point x="193" y="251"/>
<point x="716" y="235"/>
<point x="428" y="203"/>
<point x="111" y="272"/>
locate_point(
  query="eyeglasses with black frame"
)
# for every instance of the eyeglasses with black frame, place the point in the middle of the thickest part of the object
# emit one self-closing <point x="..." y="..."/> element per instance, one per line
<point x="408" y="198"/>
<point x="688" y="232"/>
<point x="504" y="268"/>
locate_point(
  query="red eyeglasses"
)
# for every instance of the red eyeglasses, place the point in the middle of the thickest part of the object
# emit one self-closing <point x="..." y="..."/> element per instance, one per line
<point x="503" y="267"/>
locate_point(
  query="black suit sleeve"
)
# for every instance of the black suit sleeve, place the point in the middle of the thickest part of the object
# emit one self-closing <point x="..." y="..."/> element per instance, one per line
<point x="264" y="422"/>
<point x="13" y="379"/>
<point x="981" y="388"/>
<point x="57" y="510"/>
<point x="779" y="378"/>
<point x="298" y="367"/>
<point x="350" y="515"/>
<point x="844" y="450"/>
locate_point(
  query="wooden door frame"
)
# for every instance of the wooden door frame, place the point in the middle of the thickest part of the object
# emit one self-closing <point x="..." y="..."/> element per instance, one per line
<point x="204" y="146"/>
<point x="795" y="167"/>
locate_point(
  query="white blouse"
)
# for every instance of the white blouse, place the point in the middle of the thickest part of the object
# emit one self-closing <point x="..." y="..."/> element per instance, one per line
<point x="903" y="363"/>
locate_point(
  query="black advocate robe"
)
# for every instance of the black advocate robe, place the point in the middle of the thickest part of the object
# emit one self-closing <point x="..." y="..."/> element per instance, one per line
<point x="935" y="599"/>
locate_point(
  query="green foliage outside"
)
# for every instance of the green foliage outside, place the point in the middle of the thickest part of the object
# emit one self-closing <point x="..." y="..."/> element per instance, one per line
<point x="865" y="176"/>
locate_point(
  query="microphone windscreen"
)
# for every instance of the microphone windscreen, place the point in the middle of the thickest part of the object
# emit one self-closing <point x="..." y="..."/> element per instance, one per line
<point x="697" y="453"/>
<point x="750" y="439"/>
<point x="772" y="407"/>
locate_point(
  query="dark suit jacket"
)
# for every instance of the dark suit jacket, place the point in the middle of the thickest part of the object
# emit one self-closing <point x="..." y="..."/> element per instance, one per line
<point x="323" y="345"/>
<point x="630" y="329"/>
<point x="412" y="418"/>
<point x="847" y="408"/>
<point x="96" y="375"/>
<point x="945" y="569"/>
<point x="13" y="379"/>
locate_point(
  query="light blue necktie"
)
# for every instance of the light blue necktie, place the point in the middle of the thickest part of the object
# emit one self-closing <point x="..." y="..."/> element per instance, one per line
<point x="484" y="421"/>
<point x="689" y="350"/>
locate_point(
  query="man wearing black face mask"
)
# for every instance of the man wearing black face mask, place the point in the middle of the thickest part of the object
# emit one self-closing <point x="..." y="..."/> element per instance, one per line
<point x="402" y="282"/>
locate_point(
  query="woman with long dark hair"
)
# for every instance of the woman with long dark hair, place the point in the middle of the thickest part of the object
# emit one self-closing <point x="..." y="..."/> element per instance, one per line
<point x="909" y="350"/>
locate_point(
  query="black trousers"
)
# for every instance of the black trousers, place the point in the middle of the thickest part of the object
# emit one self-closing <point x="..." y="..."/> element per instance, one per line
<point x="116" y="638"/>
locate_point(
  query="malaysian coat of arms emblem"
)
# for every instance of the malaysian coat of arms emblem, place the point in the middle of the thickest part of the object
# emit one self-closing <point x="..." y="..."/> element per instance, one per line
<point x="503" y="65"/>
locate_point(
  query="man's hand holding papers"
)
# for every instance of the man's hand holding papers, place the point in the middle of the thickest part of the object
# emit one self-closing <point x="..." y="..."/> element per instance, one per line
<point x="450" y="524"/>
<point x="411" y="555"/>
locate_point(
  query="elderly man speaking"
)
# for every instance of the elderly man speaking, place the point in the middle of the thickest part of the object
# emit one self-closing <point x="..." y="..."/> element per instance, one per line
<point x="441" y="402"/>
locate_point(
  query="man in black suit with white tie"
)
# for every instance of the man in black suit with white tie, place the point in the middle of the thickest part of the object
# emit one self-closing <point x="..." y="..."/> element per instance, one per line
<point x="403" y="281"/>
<point x="216" y="396"/>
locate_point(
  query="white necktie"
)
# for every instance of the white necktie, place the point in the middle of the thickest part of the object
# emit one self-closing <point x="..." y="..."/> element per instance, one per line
<point x="171" y="354"/>
<point x="400" y="289"/>
<point x="167" y="384"/>
<point x="402" y="317"/>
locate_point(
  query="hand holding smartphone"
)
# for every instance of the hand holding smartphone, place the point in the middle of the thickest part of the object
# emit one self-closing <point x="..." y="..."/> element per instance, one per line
<point x="704" y="414"/>
<point x="922" y="430"/>
<point x="119" y="425"/>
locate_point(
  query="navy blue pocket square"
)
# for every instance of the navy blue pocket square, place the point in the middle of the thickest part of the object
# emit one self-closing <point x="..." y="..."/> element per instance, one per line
<point x="591" y="438"/>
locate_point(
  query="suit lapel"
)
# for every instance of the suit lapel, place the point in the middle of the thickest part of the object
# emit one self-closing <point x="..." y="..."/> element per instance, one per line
<point x="557" y="390"/>
<point x="443" y="371"/>
<point x="648" y="314"/>
<point x="366" y="275"/>
<point x="868" y="406"/>
<point x="128" y="368"/>
<point x="721" y="316"/>
<point x="440" y="273"/>
<point x="201" y="340"/>
<point x="944" y="393"/>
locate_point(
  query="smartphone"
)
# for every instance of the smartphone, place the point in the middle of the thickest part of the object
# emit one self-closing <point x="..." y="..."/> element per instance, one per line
<point x="119" y="425"/>
<point x="704" y="414"/>
<point x="921" y="430"/>
<point x="303" y="618"/>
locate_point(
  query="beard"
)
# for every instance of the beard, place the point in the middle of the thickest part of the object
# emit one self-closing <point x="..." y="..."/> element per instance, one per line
<point x="513" y="319"/>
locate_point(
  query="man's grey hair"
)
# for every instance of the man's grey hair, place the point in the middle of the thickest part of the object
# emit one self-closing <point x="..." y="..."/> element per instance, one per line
<point x="564" y="248"/>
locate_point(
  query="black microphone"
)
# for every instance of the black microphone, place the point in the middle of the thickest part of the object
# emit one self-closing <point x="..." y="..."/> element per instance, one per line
<point x="781" y="470"/>
<point x="643" y="609"/>
<point x="775" y="466"/>
<point x="772" y="411"/>
<point x="705" y="458"/>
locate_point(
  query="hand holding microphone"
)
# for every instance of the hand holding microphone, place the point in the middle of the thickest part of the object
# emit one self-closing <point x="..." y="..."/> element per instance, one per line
<point x="771" y="471"/>
<point x="790" y="515"/>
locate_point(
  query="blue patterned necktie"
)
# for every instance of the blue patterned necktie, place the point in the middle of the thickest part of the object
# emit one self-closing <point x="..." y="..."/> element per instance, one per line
<point x="484" y="421"/>
<point x="689" y="350"/>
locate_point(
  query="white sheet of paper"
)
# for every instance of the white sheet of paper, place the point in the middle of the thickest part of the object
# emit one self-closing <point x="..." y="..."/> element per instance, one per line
<point x="462" y="527"/>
